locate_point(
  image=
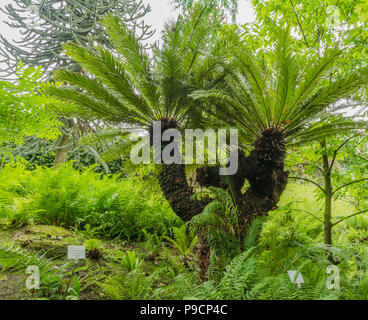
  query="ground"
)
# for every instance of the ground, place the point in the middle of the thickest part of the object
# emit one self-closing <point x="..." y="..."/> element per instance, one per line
<point x="50" y="243"/>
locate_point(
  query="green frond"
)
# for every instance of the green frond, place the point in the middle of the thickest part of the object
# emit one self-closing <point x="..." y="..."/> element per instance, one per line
<point x="136" y="60"/>
<point x="291" y="93"/>
<point x="253" y="233"/>
<point x="313" y="73"/>
<point x="99" y="93"/>
<point x="286" y="77"/>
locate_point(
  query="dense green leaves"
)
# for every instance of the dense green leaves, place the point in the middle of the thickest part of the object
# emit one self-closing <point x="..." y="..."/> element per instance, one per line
<point x="133" y="89"/>
<point x="25" y="110"/>
<point x="292" y="95"/>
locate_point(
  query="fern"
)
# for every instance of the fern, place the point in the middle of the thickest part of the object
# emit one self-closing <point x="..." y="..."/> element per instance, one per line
<point x="253" y="233"/>
<point x="182" y="241"/>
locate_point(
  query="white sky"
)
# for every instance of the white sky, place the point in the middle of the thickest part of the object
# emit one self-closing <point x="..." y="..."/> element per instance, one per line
<point x="161" y="11"/>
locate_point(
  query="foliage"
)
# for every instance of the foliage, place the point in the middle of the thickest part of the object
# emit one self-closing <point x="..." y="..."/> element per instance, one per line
<point x="25" y="110"/>
<point x="218" y="223"/>
<point x="65" y="197"/>
<point x="45" y="25"/>
<point x="335" y="168"/>
<point x="129" y="260"/>
<point x="184" y="241"/>
<point x="217" y="7"/>
<point x="293" y="96"/>
<point x="52" y="277"/>
<point x="133" y="286"/>
<point x="93" y="248"/>
<point x="130" y="90"/>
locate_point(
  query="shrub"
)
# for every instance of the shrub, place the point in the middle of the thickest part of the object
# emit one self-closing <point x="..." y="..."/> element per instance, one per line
<point x="65" y="197"/>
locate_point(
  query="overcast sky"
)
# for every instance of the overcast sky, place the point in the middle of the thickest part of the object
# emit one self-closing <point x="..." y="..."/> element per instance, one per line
<point x="161" y="11"/>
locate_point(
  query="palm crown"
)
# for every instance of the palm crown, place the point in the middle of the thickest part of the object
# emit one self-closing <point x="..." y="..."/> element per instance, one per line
<point x="132" y="88"/>
<point x="290" y="99"/>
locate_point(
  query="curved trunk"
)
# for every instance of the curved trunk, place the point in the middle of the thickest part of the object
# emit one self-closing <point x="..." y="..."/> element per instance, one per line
<point x="258" y="202"/>
<point x="178" y="193"/>
<point x="61" y="150"/>
<point x="62" y="147"/>
<point x="264" y="170"/>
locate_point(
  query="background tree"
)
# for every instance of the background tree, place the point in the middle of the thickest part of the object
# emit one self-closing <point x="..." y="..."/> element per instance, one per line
<point x="223" y="5"/>
<point x="45" y="25"/>
<point x="319" y="25"/>
<point x="334" y="166"/>
<point x="24" y="110"/>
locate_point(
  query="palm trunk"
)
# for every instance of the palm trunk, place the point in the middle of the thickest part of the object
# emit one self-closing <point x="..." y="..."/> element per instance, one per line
<point x="178" y="193"/>
<point x="258" y="202"/>
<point x="263" y="168"/>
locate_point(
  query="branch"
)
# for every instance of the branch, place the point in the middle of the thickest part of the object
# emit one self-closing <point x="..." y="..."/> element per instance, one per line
<point x="347" y="184"/>
<point x="311" y="181"/>
<point x="306" y="211"/>
<point x="301" y="28"/>
<point x="346" y="199"/>
<point x="309" y="164"/>
<point x="338" y="149"/>
<point x="352" y="215"/>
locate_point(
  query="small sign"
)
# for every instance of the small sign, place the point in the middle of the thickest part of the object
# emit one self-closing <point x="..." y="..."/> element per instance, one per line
<point x="76" y="252"/>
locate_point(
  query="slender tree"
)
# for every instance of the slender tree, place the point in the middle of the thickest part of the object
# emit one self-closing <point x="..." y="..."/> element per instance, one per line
<point x="326" y="171"/>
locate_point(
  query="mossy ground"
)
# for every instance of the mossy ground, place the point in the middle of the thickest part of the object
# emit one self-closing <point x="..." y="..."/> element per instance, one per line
<point x="51" y="243"/>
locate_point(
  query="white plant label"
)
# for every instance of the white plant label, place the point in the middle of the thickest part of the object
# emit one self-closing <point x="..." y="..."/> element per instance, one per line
<point x="76" y="252"/>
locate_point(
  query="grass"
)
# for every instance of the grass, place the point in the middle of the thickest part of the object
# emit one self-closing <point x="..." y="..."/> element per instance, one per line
<point x="304" y="196"/>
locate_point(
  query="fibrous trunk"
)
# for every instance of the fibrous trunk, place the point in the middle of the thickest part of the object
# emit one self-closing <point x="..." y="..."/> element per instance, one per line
<point x="264" y="170"/>
<point x="178" y="193"/>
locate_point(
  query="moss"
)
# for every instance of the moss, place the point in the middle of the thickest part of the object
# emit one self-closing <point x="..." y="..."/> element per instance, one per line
<point x="53" y="241"/>
<point x="52" y="231"/>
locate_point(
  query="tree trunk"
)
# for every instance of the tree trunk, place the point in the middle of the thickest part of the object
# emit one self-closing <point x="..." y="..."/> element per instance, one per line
<point x="61" y="150"/>
<point x="204" y="255"/>
<point x="327" y="223"/>
<point x="263" y="168"/>
<point x="178" y="193"/>
<point x="62" y="147"/>
<point x="258" y="202"/>
<point x="328" y="196"/>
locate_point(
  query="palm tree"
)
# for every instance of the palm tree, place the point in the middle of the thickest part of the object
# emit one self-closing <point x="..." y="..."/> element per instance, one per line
<point x="290" y="102"/>
<point x="133" y="89"/>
